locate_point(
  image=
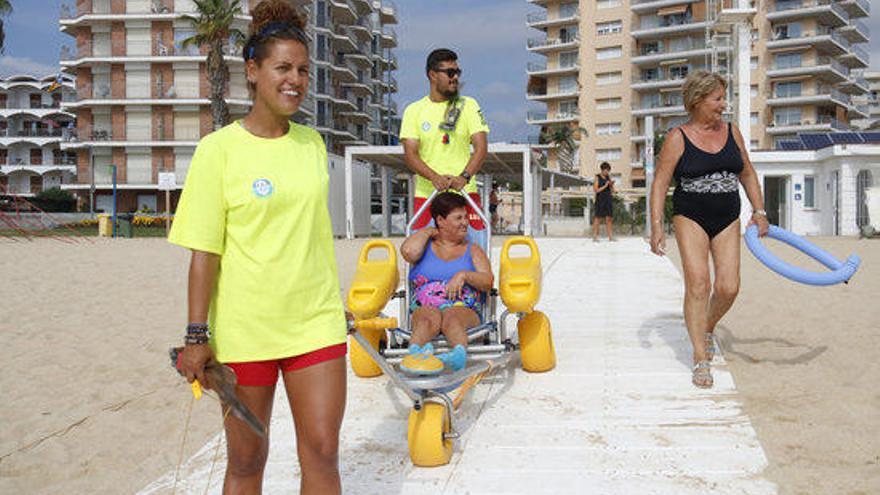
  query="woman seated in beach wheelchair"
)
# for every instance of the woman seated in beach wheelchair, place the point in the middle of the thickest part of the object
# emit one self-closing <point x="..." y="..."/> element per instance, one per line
<point x="449" y="280"/>
<point x="449" y="336"/>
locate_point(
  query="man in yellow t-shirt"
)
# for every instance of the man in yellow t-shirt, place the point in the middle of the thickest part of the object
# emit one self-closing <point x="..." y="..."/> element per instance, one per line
<point x="437" y="133"/>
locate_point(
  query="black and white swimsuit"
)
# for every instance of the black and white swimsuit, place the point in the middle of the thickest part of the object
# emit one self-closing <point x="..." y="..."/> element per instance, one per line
<point x="707" y="185"/>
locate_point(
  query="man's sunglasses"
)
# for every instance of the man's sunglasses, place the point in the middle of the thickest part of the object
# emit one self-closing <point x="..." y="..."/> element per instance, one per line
<point x="450" y="73"/>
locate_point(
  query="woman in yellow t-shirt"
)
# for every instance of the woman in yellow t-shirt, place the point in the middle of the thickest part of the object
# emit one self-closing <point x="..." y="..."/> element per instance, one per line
<point x="263" y="288"/>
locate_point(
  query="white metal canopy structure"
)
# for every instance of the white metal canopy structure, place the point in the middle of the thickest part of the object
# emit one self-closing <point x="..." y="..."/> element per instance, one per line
<point x="508" y="162"/>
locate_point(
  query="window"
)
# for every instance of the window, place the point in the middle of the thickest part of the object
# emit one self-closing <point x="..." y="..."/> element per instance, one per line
<point x="568" y="59"/>
<point x="753" y="63"/>
<point x="678" y="71"/>
<point x="753" y="144"/>
<point x="787" y="116"/>
<point x="753" y="91"/>
<point x="567" y="10"/>
<point x="568" y="108"/>
<point x="753" y="118"/>
<point x="809" y="192"/>
<point x="608" y="129"/>
<point x="608" y="103"/>
<point x="607" y="4"/>
<point x="608" y="53"/>
<point x="787" y="60"/>
<point x="568" y="84"/>
<point x="788" y="89"/>
<point x="608" y="154"/>
<point x="606" y="28"/>
<point x="651" y="48"/>
<point x="608" y="78"/>
<point x="787" y="31"/>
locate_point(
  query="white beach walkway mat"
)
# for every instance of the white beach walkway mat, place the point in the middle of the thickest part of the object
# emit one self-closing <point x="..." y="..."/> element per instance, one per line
<point x="618" y="415"/>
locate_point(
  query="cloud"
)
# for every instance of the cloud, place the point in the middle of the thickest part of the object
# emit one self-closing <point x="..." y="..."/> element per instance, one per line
<point x="10" y="65"/>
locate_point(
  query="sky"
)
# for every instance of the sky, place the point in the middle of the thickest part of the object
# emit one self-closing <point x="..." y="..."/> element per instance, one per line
<point x="488" y="35"/>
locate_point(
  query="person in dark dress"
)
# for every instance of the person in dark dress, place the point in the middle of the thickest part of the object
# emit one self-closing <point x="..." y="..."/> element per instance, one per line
<point x="708" y="159"/>
<point x="603" y="186"/>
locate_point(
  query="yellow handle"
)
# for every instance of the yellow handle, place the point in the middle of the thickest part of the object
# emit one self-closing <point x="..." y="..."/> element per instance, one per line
<point x="376" y="324"/>
<point x="196" y="389"/>
<point x="376" y="243"/>
<point x="519" y="241"/>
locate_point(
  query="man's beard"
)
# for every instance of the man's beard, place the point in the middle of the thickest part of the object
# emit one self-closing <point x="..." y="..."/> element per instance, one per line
<point x="450" y="93"/>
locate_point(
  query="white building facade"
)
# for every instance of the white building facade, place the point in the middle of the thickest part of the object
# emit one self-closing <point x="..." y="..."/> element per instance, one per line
<point x="820" y="192"/>
<point x="32" y="127"/>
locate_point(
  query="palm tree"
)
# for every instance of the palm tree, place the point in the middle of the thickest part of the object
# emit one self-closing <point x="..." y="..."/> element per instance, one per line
<point x="213" y="28"/>
<point x="562" y="136"/>
<point x="5" y="10"/>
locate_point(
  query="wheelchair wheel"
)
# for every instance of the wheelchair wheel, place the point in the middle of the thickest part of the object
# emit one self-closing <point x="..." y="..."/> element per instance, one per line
<point x="536" y="343"/>
<point x="425" y="435"/>
<point x="361" y="362"/>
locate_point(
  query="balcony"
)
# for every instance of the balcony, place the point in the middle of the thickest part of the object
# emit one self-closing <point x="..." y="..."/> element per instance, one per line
<point x="825" y="68"/>
<point x="823" y="123"/>
<point x="91" y="52"/>
<point x="859" y="111"/>
<point x="361" y="30"/>
<point x="823" y="95"/>
<point x="854" y="85"/>
<point x="857" y="8"/>
<point x="545" y="45"/>
<point x="825" y="11"/>
<point x="659" y="108"/>
<point x="567" y="93"/>
<point x="388" y="12"/>
<point x="856" y="57"/>
<point x="389" y="38"/>
<point x="665" y="30"/>
<point x="104" y="136"/>
<point x="659" y="81"/>
<point x="651" y="6"/>
<point x="542" y="118"/>
<point x="541" y="70"/>
<point x="342" y="11"/>
<point x="540" y="20"/>
<point x="856" y="32"/>
<point x="822" y="39"/>
<point x="695" y="51"/>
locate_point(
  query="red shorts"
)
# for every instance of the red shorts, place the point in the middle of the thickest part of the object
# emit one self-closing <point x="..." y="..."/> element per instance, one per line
<point x="423" y="220"/>
<point x="265" y="373"/>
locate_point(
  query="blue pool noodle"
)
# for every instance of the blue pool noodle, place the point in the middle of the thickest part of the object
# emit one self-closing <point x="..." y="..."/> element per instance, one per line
<point x="840" y="272"/>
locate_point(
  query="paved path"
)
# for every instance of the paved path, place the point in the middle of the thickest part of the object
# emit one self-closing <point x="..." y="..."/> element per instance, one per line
<point x="618" y="415"/>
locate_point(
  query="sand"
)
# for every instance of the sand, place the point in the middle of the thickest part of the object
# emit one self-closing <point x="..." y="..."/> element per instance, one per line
<point x="91" y="405"/>
<point x="806" y="366"/>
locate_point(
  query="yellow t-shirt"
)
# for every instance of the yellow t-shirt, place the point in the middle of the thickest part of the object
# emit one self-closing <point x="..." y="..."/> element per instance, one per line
<point x="261" y="204"/>
<point x="421" y="121"/>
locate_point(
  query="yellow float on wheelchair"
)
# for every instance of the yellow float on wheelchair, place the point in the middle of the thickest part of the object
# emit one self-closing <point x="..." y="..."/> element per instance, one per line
<point x="374" y="283"/>
<point x="520" y="276"/>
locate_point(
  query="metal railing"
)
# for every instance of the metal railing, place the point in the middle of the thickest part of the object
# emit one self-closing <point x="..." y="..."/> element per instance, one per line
<point x="556" y="116"/>
<point x="558" y="92"/>
<point x="804" y="4"/>
<point x="548" y="42"/>
<point x="140" y="133"/>
<point x="860" y="53"/>
<point x="820" y="61"/>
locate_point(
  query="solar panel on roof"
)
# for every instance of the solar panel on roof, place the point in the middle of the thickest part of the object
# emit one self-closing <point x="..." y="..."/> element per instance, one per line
<point x="791" y="145"/>
<point x="815" y="141"/>
<point x="846" y="138"/>
<point x="871" y="137"/>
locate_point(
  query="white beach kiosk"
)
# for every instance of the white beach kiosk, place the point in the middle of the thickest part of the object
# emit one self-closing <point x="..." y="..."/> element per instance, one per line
<point x="511" y="162"/>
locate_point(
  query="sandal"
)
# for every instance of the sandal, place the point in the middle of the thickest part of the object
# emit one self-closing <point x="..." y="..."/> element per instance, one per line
<point x="711" y="350"/>
<point x="702" y="375"/>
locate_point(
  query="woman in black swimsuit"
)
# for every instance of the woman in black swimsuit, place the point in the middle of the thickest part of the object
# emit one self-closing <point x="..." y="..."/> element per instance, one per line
<point x="707" y="157"/>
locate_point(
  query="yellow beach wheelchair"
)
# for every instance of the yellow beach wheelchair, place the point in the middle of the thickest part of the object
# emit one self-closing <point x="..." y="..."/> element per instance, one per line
<point x="379" y="343"/>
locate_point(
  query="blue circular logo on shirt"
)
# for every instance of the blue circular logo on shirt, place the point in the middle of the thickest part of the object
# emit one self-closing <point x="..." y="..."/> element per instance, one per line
<point x="426" y="126"/>
<point x="262" y="188"/>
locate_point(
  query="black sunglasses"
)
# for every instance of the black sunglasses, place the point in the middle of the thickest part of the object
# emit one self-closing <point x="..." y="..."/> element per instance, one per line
<point x="450" y="73"/>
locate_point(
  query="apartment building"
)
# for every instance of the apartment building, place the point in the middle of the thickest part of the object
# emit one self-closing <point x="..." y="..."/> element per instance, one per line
<point x="872" y="99"/>
<point x="806" y="60"/>
<point x="32" y="127"/>
<point x="142" y="99"/>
